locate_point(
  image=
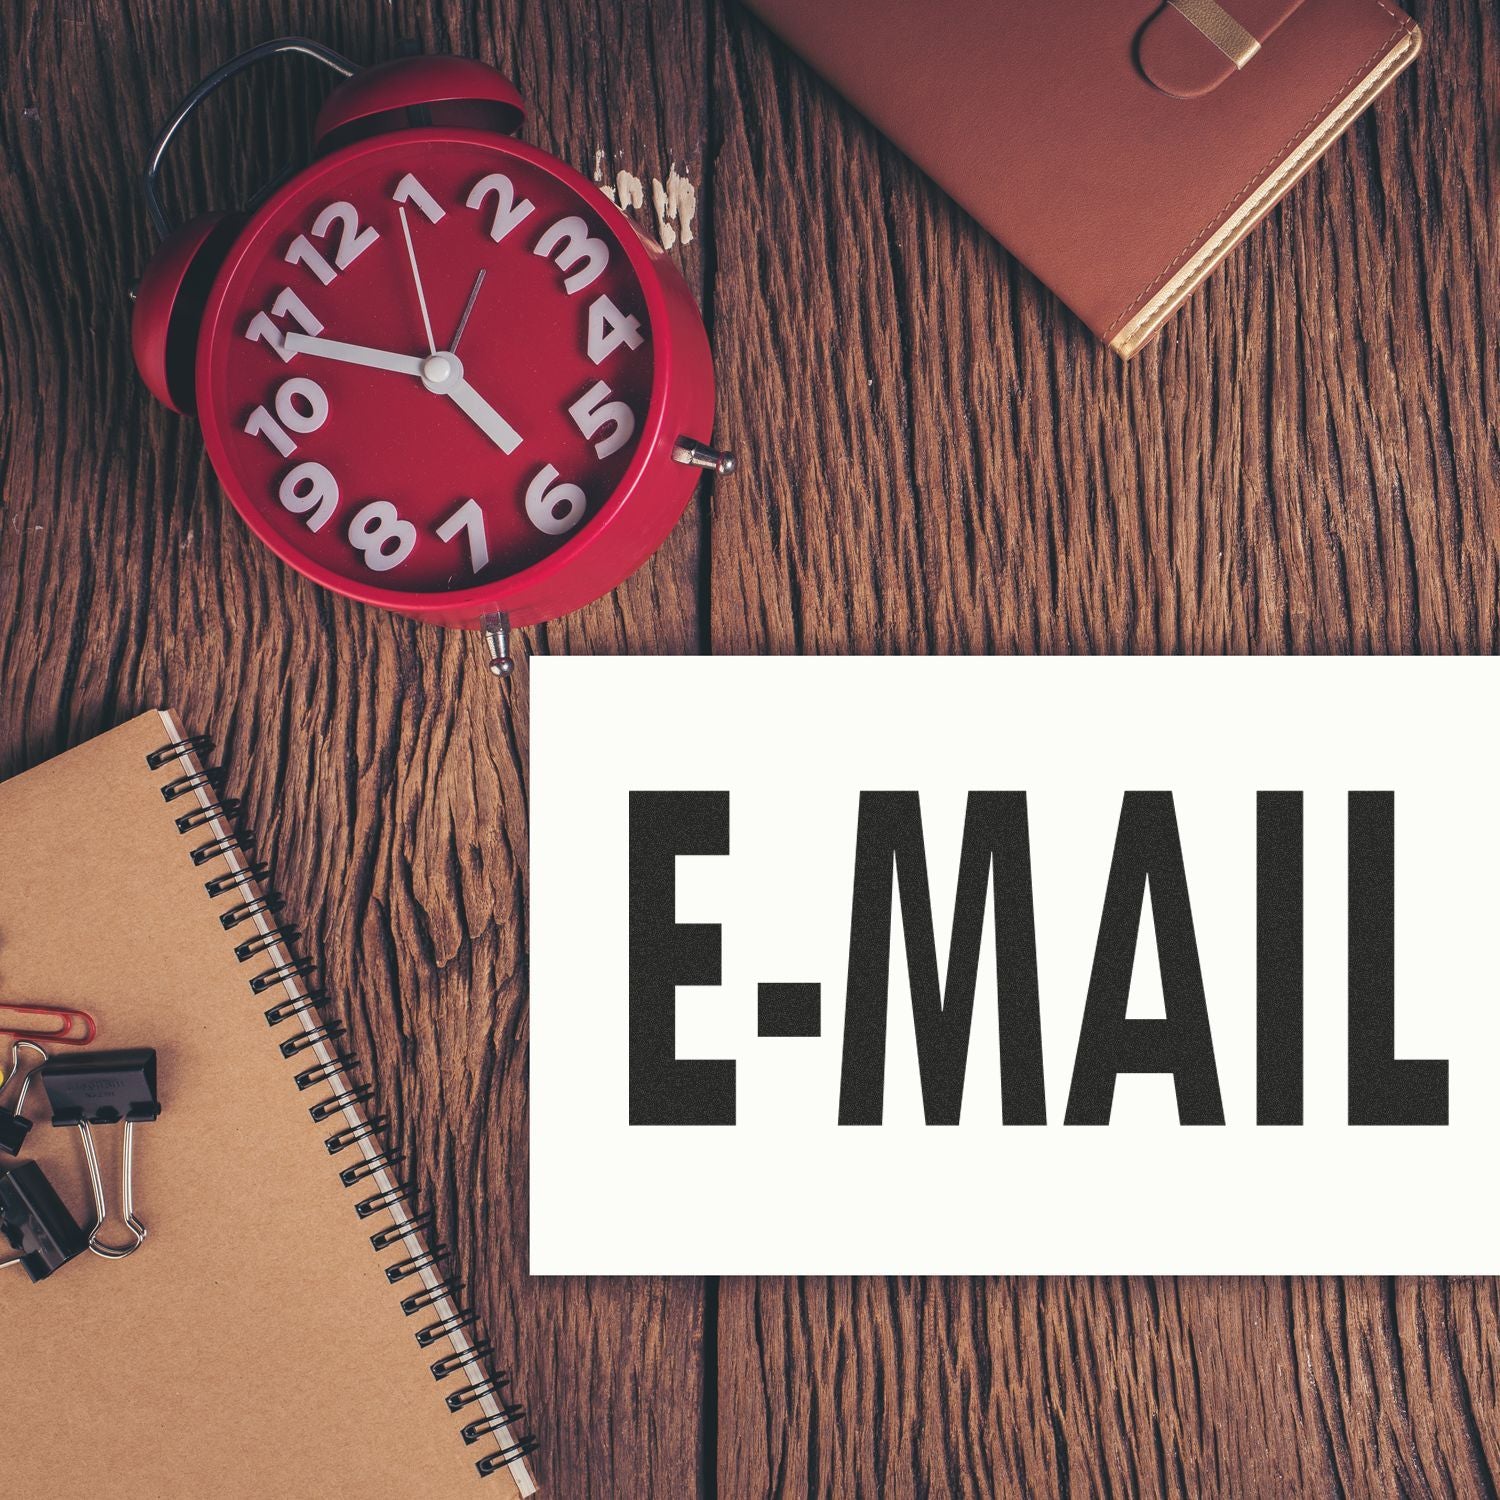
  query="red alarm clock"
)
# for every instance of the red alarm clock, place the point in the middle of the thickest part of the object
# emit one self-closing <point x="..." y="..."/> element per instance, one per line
<point x="437" y="369"/>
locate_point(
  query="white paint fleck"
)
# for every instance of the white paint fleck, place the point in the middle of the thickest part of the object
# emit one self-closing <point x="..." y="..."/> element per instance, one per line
<point x="630" y="191"/>
<point x="626" y="190"/>
<point x="664" y="231"/>
<point x="676" y="203"/>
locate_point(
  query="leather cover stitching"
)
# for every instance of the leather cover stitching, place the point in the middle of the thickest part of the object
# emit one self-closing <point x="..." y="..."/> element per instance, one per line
<point x="1404" y="25"/>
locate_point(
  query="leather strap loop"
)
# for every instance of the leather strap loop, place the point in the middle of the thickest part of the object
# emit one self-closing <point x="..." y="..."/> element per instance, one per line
<point x="1221" y="28"/>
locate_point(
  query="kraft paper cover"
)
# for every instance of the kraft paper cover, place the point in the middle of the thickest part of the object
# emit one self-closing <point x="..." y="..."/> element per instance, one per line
<point x="253" y="1347"/>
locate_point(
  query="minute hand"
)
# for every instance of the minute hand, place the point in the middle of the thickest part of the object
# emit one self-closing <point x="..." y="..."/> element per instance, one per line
<point x="353" y="354"/>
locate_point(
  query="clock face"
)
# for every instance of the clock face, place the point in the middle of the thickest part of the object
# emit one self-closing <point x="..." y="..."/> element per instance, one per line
<point x="428" y="364"/>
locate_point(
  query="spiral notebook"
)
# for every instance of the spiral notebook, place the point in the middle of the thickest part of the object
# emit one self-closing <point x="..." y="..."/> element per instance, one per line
<point x="287" y="1329"/>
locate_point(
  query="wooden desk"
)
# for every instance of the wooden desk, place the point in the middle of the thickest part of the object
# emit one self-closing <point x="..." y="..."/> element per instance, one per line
<point x="936" y="458"/>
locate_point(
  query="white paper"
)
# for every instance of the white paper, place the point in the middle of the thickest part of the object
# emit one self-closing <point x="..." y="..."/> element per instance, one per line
<point x="786" y="1188"/>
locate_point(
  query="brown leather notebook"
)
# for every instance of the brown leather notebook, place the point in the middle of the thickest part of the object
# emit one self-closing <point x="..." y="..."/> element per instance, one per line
<point x="258" y="1344"/>
<point x="1119" y="148"/>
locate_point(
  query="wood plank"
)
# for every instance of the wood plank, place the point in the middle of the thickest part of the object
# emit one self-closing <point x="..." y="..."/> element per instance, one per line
<point x="946" y="463"/>
<point x="1306" y="462"/>
<point x="1180" y="1387"/>
<point x="956" y="465"/>
<point x="382" y="768"/>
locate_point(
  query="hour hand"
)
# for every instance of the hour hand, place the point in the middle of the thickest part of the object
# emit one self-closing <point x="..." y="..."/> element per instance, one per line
<point x="443" y="374"/>
<point x="352" y="354"/>
<point x="484" y="416"/>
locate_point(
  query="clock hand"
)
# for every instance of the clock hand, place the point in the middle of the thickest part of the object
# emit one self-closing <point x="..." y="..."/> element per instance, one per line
<point x="440" y="373"/>
<point x="353" y="354"/>
<point x="416" y="277"/>
<point x="463" y="321"/>
<point x="483" y="415"/>
<point x="443" y="375"/>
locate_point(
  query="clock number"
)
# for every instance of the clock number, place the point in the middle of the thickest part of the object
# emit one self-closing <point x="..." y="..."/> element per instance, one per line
<point x="287" y="305"/>
<point x="302" y="251"/>
<point x="610" y="329"/>
<point x="300" y="405"/>
<point x="593" y="411"/>
<point x="570" y="244"/>
<point x="508" y="213"/>
<point x="384" y="538"/>
<point x="469" y="518"/>
<point x="263" y="424"/>
<point x="554" y="508"/>
<point x="409" y="190"/>
<point x="310" y="487"/>
<point x="353" y="242"/>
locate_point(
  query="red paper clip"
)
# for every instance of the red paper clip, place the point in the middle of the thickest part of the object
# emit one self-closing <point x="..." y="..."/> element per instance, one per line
<point x="47" y="1023"/>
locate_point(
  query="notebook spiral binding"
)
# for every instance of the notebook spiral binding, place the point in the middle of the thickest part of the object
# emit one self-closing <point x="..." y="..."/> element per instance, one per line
<point x="243" y="888"/>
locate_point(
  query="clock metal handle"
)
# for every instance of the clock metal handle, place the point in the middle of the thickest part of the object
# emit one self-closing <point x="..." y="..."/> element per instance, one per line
<point x="297" y="44"/>
<point x="496" y="627"/>
<point x="700" y="456"/>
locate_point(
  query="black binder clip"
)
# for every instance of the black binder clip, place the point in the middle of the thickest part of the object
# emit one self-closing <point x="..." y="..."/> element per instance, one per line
<point x="36" y="1224"/>
<point x="106" y="1088"/>
<point x="14" y="1126"/>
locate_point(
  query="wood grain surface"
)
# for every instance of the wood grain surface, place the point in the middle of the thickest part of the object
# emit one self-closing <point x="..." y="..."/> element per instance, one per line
<point x="935" y="458"/>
